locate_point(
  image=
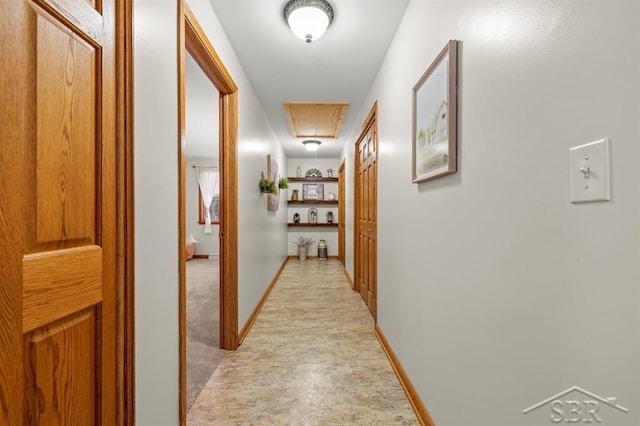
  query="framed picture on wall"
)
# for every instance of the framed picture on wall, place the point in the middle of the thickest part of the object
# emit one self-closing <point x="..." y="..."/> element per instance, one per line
<point x="313" y="191"/>
<point x="435" y="100"/>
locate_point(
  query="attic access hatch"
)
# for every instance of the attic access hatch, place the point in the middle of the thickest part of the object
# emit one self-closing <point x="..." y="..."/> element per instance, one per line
<point x="315" y="119"/>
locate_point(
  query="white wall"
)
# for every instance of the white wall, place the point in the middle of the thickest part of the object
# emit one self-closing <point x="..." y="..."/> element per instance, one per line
<point x="493" y="289"/>
<point x="207" y="243"/>
<point x="202" y="122"/>
<point x="330" y="235"/>
<point x="321" y="164"/>
<point x="156" y="212"/>
<point x="262" y="236"/>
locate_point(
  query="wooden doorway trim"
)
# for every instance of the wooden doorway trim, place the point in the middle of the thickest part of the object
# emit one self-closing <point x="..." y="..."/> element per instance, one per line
<point x="341" y="213"/>
<point x="125" y="392"/>
<point x="193" y="39"/>
<point x="366" y="202"/>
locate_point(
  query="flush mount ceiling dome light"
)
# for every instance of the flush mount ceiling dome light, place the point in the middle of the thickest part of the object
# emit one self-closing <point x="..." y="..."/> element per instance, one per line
<point x="311" y="145"/>
<point x="308" y="19"/>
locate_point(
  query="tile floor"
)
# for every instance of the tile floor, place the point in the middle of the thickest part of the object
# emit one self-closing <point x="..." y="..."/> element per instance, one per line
<point x="311" y="358"/>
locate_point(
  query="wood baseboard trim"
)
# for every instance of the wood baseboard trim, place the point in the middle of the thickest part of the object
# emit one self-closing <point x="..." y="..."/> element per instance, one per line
<point x="412" y="395"/>
<point x="258" y="308"/>
<point x="295" y="256"/>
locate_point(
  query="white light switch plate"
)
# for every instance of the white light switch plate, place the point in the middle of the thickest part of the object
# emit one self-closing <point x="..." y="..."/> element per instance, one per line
<point x="589" y="172"/>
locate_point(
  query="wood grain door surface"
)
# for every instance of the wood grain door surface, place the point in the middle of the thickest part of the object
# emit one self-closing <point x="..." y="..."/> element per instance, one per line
<point x="57" y="213"/>
<point x="366" y="211"/>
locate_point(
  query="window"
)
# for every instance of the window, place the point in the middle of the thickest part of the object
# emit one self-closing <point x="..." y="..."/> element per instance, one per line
<point x="208" y="184"/>
<point x="214" y="210"/>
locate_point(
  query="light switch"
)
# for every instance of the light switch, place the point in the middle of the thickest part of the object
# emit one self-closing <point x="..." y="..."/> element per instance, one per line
<point x="589" y="172"/>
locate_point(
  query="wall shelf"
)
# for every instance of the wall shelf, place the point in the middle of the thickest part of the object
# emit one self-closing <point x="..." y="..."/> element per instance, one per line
<point x="306" y="179"/>
<point x="313" y="224"/>
<point x="316" y="202"/>
<point x="325" y="187"/>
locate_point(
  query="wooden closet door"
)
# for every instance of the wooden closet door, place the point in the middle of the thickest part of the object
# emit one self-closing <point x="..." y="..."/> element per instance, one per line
<point x="57" y="213"/>
<point x="366" y="214"/>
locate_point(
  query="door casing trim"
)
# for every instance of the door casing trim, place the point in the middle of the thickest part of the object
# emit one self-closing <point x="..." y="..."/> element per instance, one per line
<point x="341" y="212"/>
<point x="125" y="211"/>
<point x="192" y="39"/>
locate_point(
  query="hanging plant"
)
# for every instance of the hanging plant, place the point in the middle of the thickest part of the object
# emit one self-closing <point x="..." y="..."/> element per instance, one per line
<point x="283" y="183"/>
<point x="267" y="186"/>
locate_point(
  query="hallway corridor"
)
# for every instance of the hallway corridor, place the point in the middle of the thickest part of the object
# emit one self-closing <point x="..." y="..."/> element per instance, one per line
<point x="311" y="358"/>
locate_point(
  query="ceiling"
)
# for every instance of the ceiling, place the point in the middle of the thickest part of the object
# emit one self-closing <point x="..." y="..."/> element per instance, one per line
<point x="339" y="67"/>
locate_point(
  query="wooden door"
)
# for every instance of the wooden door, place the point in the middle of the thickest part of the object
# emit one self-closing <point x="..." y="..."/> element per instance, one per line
<point x="57" y="213"/>
<point x="366" y="213"/>
<point x="341" y="215"/>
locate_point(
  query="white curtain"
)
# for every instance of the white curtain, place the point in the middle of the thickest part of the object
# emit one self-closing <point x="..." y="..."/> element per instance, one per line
<point x="208" y="182"/>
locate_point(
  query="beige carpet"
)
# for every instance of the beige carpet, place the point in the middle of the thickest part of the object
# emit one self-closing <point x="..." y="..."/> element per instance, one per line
<point x="311" y="358"/>
<point x="203" y="324"/>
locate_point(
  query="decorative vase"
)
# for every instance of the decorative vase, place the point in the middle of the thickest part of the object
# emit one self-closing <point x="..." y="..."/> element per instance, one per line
<point x="299" y="172"/>
<point x="294" y="195"/>
<point x="302" y="253"/>
<point x="322" y="250"/>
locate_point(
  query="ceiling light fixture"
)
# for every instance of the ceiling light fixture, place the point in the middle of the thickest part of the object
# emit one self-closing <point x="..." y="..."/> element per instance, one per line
<point x="311" y="145"/>
<point x="308" y="19"/>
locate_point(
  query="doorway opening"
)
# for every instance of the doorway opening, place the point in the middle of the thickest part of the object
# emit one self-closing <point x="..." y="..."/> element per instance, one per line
<point x="202" y="195"/>
<point x="192" y="40"/>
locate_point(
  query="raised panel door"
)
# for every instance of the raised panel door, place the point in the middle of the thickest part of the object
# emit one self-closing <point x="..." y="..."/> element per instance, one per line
<point x="366" y="216"/>
<point x="57" y="213"/>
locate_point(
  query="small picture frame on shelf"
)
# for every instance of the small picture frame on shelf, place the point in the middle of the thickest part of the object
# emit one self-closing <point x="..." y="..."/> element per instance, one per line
<point x="313" y="191"/>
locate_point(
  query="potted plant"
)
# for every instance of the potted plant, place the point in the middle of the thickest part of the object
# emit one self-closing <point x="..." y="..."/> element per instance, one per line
<point x="304" y="244"/>
<point x="283" y="183"/>
<point x="267" y="186"/>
